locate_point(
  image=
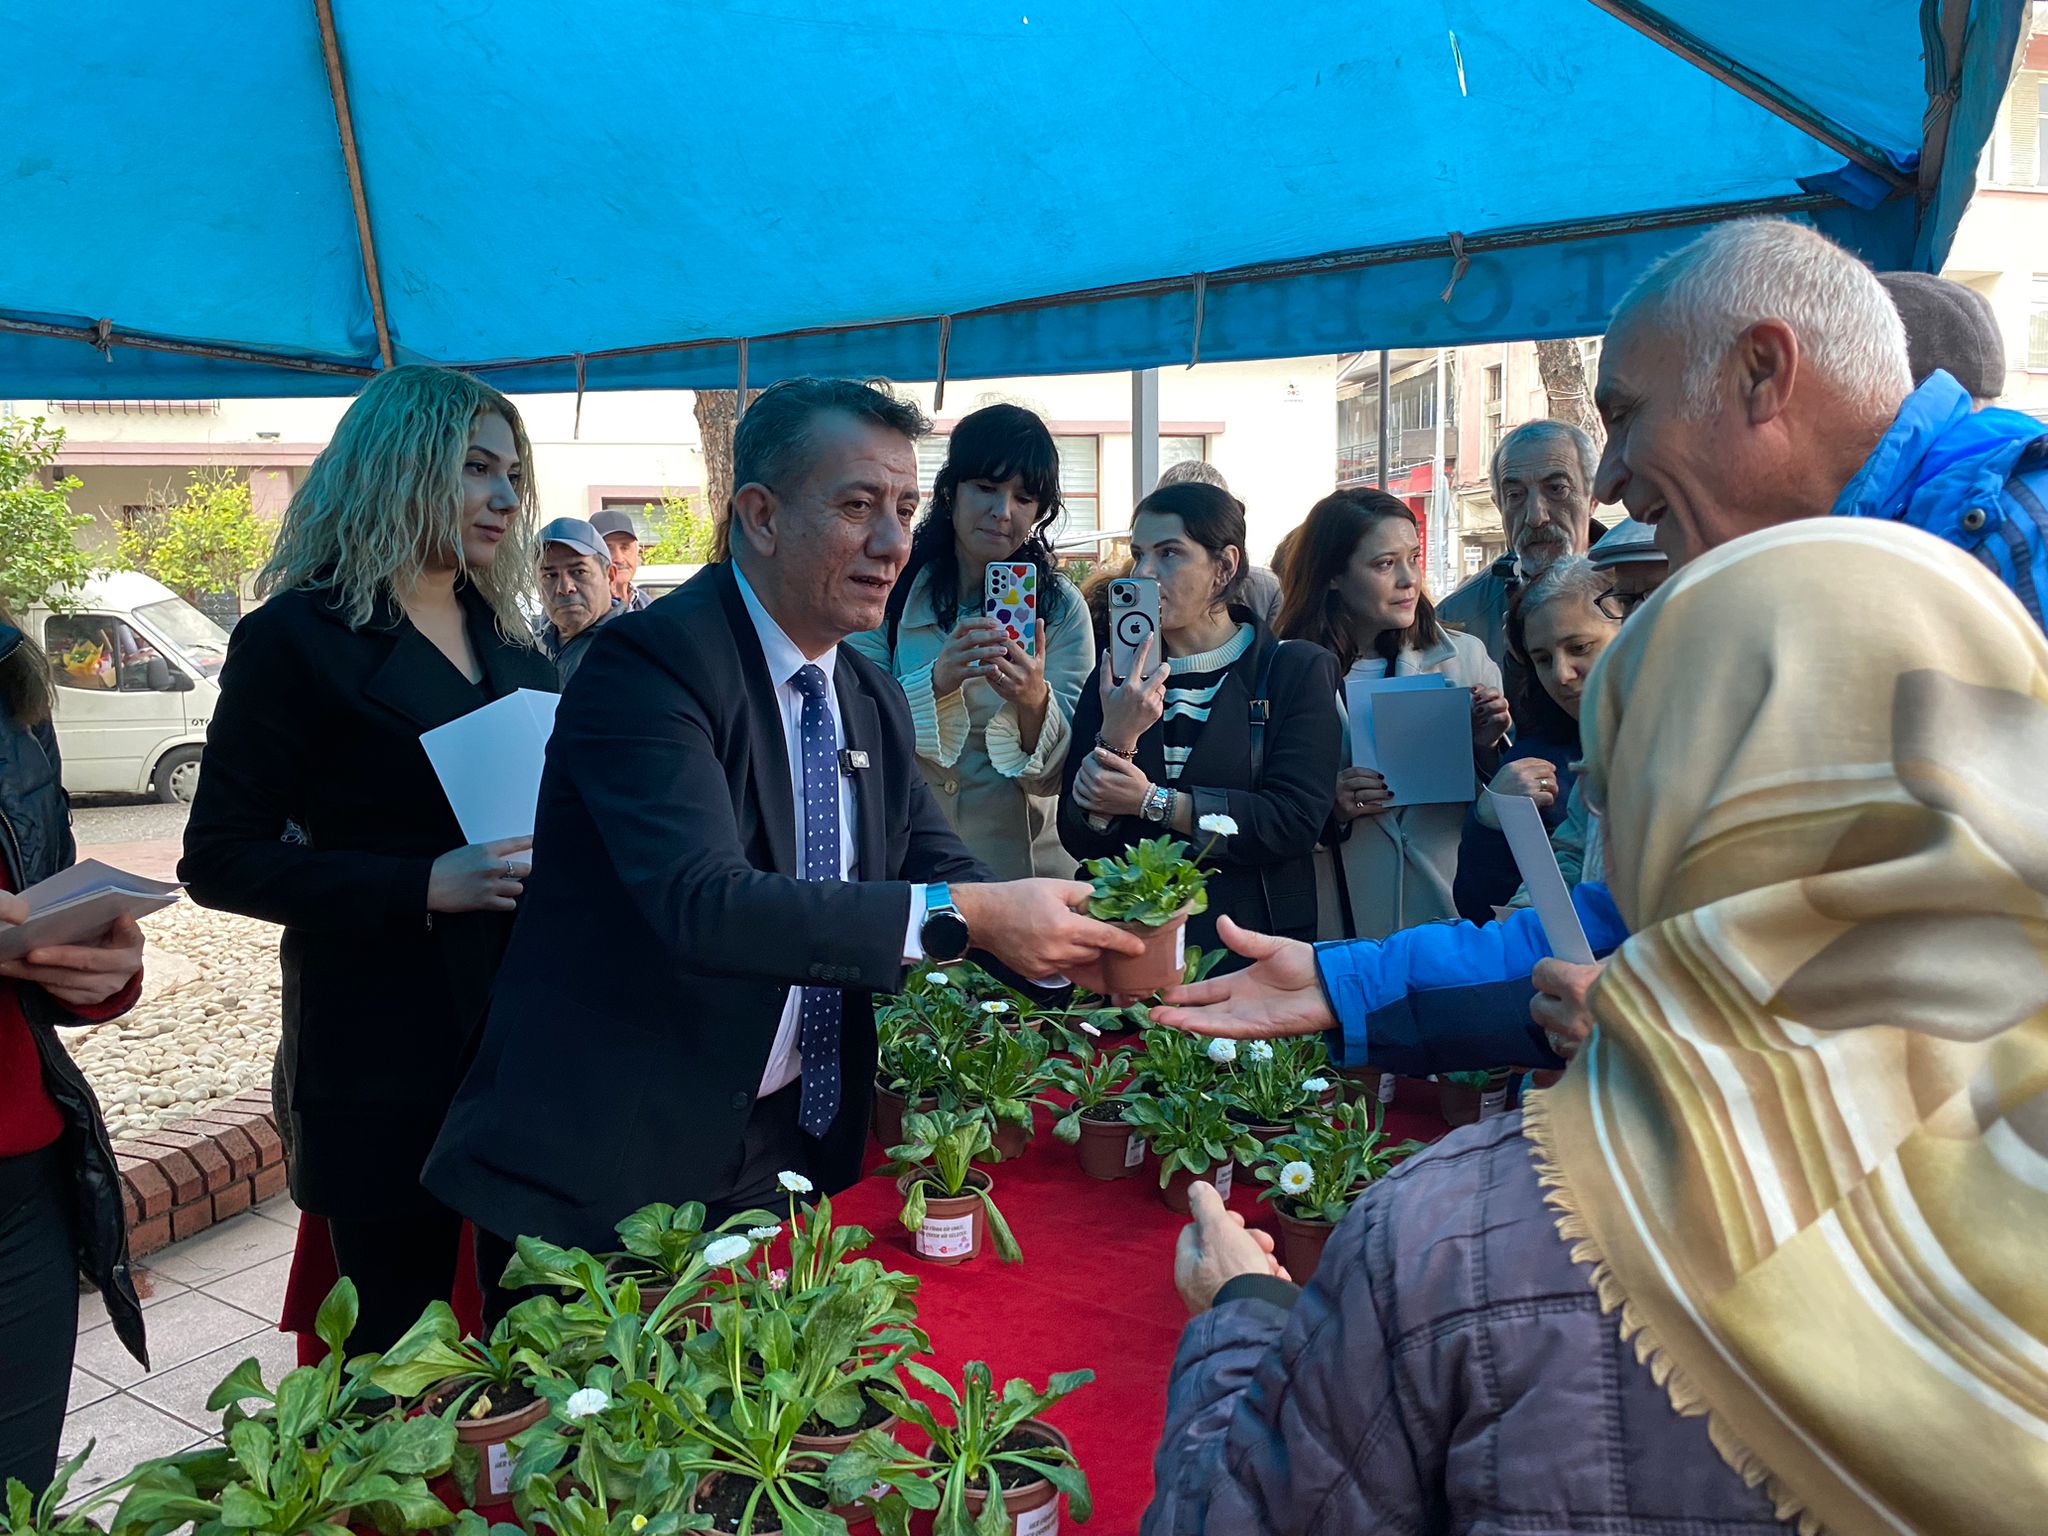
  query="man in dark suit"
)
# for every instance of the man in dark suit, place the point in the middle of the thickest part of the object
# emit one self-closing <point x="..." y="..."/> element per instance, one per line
<point x="734" y="799"/>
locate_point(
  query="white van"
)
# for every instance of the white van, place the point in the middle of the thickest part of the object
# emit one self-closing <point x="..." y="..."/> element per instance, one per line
<point x="134" y="666"/>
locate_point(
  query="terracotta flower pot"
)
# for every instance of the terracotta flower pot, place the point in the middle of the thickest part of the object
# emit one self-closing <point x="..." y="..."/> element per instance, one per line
<point x="1464" y="1105"/>
<point x="890" y="1107"/>
<point x="1008" y="1144"/>
<point x="1034" y="1508"/>
<point x="1109" y="1149"/>
<point x="491" y="1435"/>
<point x="1158" y="967"/>
<point x="1175" y="1191"/>
<point x="1301" y="1243"/>
<point x="954" y="1225"/>
<point x="1262" y="1134"/>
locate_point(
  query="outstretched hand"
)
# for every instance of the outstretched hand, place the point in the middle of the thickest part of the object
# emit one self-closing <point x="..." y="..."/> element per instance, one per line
<point x="1041" y="928"/>
<point x="1278" y="994"/>
<point x="1216" y="1247"/>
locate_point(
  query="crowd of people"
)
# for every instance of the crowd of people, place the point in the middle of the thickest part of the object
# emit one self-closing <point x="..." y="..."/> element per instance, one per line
<point x="1776" y="714"/>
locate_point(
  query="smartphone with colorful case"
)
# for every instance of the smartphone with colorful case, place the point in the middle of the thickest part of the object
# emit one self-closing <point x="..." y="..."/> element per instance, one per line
<point x="1012" y="600"/>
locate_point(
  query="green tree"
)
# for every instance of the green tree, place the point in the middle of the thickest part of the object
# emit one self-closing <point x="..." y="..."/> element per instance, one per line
<point x="206" y="540"/>
<point x="683" y="534"/>
<point x="40" y="560"/>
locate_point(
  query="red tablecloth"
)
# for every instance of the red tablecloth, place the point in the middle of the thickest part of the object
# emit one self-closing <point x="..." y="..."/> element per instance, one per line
<point x="1095" y="1290"/>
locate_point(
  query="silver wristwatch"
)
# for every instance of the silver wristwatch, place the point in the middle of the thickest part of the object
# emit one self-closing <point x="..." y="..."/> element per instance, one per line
<point x="1158" y="803"/>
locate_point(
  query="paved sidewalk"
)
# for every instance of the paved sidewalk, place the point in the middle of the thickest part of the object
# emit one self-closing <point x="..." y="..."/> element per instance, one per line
<point x="209" y="1303"/>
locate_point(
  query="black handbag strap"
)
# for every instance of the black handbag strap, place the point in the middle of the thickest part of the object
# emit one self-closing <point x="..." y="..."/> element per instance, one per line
<point x="1262" y="711"/>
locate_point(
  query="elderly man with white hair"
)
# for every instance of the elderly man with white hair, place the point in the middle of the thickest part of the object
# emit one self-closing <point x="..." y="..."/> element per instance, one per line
<point x="1542" y="475"/>
<point x="1760" y="374"/>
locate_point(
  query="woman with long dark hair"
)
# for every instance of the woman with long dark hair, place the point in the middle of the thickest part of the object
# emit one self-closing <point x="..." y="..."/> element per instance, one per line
<point x="1355" y="588"/>
<point x="1180" y="739"/>
<point x="993" y="718"/>
<point x="60" y="1193"/>
<point x="392" y="609"/>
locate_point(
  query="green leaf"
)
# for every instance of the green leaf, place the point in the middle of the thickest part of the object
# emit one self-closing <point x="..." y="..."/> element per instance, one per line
<point x="420" y="1446"/>
<point x="336" y="1319"/>
<point x="1073" y="1482"/>
<point x="301" y="1400"/>
<point x="999" y="1235"/>
<point x="254" y="1450"/>
<point x="241" y="1509"/>
<point x="243" y="1382"/>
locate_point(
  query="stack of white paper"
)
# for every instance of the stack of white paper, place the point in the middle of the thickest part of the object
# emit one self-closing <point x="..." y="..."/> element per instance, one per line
<point x="489" y="763"/>
<point x="78" y="905"/>
<point x="1416" y="733"/>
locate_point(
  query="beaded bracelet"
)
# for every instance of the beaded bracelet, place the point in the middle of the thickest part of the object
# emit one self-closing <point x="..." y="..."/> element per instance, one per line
<point x="1129" y="757"/>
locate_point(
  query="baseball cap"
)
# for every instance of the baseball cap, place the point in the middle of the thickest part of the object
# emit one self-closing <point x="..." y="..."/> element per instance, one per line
<point x="576" y="534"/>
<point x="614" y="520"/>
<point x="1628" y="542"/>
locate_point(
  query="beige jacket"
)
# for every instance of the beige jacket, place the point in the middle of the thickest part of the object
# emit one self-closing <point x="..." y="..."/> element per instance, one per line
<point x="1398" y="867"/>
<point x="1002" y="800"/>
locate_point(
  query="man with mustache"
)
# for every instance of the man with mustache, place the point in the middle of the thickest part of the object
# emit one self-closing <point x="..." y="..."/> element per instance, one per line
<point x="575" y="588"/>
<point x="1542" y="475"/>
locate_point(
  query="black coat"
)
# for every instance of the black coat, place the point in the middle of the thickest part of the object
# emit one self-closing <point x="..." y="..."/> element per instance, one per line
<point x="1264" y="877"/>
<point x="319" y="810"/>
<point x="667" y="834"/>
<point x="36" y="843"/>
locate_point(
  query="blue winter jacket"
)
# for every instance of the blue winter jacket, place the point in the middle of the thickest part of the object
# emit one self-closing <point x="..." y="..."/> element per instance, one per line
<point x="1978" y="479"/>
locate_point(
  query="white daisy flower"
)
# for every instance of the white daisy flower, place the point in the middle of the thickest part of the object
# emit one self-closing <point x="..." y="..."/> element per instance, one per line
<point x="639" y="1522"/>
<point x="1296" y="1177"/>
<point x="795" y="1183"/>
<point x="584" y="1402"/>
<point x="939" y="979"/>
<point x="995" y="1007"/>
<point x="726" y="1250"/>
<point x="1259" y="1050"/>
<point x="1223" y="1052"/>
<point x="1087" y="1029"/>
<point x="1315" y="1085"/>
<point x="1221" y="826"/>
<point x="763" y="1234"/>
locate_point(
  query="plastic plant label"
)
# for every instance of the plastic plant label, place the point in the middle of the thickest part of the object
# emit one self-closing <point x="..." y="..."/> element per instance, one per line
<point x="1386" y="1087"/>
<point x="1220" y="1177"/>
<point x="498" y="1465"/>
<point x="1493" y="1102"/>
<point x="1180" y="950"/>
<point x="1134" y="1151"/>
<point x="946" y="1237"/>
<point x="1043" y="1521"/>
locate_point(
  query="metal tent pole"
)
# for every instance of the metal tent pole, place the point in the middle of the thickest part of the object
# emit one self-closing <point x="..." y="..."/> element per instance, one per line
<point x="1386" y="419"/>
<point x="1144" y="433"/>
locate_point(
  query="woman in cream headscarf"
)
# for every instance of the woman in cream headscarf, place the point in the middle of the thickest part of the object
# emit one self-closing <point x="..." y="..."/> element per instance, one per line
<point x="1801" y="1168"/>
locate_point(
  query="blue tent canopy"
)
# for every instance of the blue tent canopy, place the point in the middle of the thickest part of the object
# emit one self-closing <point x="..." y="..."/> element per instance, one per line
<point x="262" y="197"/>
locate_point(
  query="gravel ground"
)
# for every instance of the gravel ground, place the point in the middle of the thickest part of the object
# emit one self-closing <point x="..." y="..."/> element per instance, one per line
<point x="206" y="1027"/>
<point x="125" y="819"/>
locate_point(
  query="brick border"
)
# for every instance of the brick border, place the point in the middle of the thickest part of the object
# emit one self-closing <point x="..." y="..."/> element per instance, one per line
<point x="183" y="1177"/>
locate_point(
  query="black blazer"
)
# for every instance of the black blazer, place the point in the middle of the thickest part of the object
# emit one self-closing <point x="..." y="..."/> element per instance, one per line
<point x="667" y="834"/>
<point x="318" y="809"/>
<point x="1265" y="876"/>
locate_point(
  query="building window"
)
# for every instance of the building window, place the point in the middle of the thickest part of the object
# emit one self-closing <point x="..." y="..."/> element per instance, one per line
<point x="1078" y="489"/>
<point x="1494" y="399"/>
<point x="2037" y="324"/>
<point x="1181" y="450"/>
<point x="137" y="407"/>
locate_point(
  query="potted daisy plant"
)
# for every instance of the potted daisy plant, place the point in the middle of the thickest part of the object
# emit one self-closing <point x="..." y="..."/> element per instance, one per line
<point x="1152" y="891"/>
<point x="1316" y="1173"/>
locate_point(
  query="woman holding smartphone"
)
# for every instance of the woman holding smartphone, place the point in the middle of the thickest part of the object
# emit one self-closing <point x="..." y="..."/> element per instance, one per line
<point x="993" y="715"/>
<point x="1175" y="741"/>
<point x="392" y="609"/>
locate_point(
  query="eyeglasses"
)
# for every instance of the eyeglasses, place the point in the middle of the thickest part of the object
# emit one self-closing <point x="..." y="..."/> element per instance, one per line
<point x="1617" y="604"/>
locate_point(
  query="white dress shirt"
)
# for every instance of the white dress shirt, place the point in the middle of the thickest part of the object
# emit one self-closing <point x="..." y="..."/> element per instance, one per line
<point x="785" y="660"/>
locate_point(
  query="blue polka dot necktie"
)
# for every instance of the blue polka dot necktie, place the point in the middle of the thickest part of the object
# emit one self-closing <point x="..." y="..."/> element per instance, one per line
<point x="818" y="1015"/>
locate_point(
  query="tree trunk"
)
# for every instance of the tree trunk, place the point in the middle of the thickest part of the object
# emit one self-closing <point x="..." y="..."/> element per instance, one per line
<point x="715" y="412"/>
<point x="1562" y="367"/>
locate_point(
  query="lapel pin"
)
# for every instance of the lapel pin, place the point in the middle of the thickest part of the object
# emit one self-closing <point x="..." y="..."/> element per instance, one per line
<point x="851" y="761"/>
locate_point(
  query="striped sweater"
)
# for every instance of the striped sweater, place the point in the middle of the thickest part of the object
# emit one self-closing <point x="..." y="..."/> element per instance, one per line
<point x="1191" y="685"/>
